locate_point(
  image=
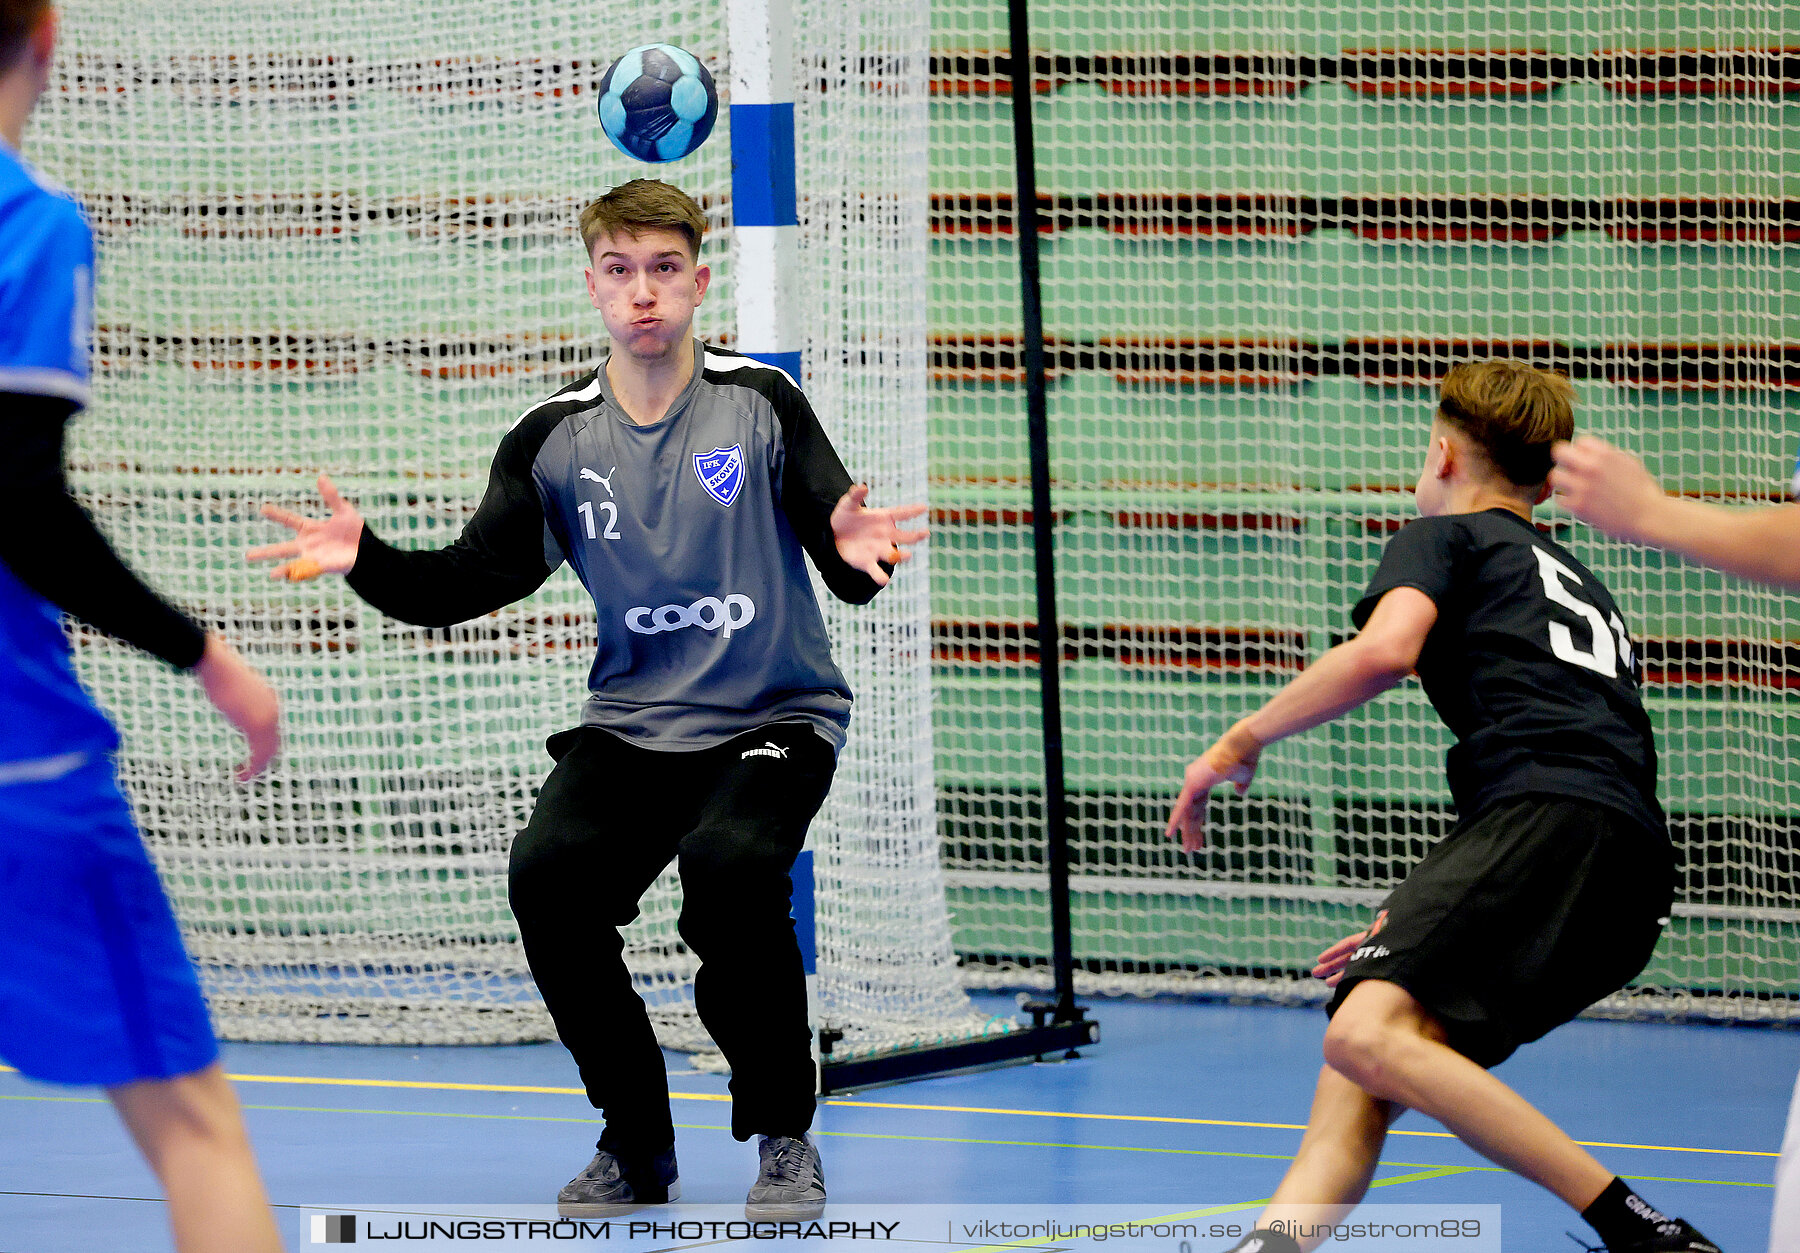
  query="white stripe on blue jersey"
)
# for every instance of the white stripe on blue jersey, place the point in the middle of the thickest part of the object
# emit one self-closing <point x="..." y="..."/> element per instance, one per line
<point x="45" y="382"/>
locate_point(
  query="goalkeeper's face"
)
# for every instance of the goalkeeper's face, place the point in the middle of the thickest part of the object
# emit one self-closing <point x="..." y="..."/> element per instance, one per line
<point x="646" y="287"/>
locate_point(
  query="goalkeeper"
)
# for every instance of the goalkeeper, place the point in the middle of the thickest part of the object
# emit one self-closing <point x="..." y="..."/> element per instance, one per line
<point x="683" y="484"/>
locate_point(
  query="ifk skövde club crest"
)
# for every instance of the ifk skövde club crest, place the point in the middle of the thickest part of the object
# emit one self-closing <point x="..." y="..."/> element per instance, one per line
<point x="721" y="472"/>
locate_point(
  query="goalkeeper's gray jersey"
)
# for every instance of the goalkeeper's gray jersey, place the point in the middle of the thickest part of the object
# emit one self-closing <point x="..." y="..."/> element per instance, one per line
<point x="688" y="533"/>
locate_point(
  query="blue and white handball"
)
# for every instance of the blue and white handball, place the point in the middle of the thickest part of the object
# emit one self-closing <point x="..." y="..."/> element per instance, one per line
<point x="658" y="103"/>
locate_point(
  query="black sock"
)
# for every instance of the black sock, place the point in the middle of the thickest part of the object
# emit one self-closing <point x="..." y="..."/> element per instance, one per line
<point x="1622" y="1217"/>
<point x="1262" y="1240"/>
<point x="627" y="1150"/>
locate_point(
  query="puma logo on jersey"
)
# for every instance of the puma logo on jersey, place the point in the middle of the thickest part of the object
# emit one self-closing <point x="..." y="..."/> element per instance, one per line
<point x="769" y="749"/>
<point x="606" y="482"/>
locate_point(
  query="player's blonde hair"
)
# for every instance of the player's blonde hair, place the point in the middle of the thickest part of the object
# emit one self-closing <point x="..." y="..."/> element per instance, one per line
<point x="1513" y="412"/>
<point x="643" y="204"/>
<point x="17" y="18"/>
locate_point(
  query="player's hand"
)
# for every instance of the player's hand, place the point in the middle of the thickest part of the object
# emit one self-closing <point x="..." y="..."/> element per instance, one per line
<point x="320" y="545"/>
<point x="1333" y="960"/>
<point x="246" y="700"/>
<point x="865" y="537"/>
<point x="1231" y="760"/>
<point x="1606" y="487"/>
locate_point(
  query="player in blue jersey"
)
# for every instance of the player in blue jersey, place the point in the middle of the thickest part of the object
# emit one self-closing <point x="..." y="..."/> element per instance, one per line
<point x="1556" y="882"/>
<point x="95" y="987"/>
<point x="686" y="487"/>
<point x="1609" y="488"/>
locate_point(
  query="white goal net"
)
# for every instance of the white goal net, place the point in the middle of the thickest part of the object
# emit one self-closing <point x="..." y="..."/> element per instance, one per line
<point x="1268" y="230"/>
<point x="342" y="237"/>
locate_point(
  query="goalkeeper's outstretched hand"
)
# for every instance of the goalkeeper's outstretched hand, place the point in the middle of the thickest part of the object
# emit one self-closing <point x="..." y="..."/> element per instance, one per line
<point x="320" y="545"/>
<point x="867" y="537"/>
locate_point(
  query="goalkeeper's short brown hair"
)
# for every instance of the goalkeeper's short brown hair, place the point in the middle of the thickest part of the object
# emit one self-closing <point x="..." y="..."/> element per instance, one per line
<point x="643" y="204"/>
<point x="1512" y="411"/>
<point x="17" y="18"/>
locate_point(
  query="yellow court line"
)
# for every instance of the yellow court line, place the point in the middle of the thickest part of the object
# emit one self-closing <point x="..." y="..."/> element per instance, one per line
<point x="1427" y="1170"/>
<point x="443" y="1086"/>
<point x="1272" y="1126"/>
<point x="427" y="1085"/>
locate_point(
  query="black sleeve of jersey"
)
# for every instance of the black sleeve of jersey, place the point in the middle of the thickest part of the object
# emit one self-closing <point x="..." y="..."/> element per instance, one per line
<point x="811" y="484"/>
<point x="1423" y="556"/>
<point x="498" y="558"/>
<point x="51" y="545"/>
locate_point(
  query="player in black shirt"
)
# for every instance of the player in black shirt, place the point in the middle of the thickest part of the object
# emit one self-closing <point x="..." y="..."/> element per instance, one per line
<point x="1553" y="888"/>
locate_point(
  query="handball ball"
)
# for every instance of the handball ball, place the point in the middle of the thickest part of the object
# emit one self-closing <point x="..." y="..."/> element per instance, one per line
<point x="658" y="103"/>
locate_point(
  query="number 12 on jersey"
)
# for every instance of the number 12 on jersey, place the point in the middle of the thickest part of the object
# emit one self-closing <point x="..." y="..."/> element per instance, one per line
<point x="1610" y="646"/>
<point x="586" y="510"/>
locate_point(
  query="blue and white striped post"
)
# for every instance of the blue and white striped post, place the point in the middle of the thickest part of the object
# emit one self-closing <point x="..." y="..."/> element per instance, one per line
<point x="764" y="206"/>
<point x="766" y="229"/>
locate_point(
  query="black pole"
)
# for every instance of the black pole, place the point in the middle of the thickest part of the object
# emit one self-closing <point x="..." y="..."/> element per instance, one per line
<point x="1049" y="628"/>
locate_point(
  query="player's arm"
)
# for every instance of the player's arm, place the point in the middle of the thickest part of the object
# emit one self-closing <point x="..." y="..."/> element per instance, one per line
<point x="1611" y="490"/>
<point x="498" y="558"/>
<point x="51" y="545"/>
<point x="854" y="547"/>
<point x="1356" y="671"/>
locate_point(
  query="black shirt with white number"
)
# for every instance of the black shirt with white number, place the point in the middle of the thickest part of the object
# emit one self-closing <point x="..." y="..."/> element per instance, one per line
<point x="1529" y="664"/>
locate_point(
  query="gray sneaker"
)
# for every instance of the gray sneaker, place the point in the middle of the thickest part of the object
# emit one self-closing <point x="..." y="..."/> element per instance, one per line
<point x="611" y="1186"/>
<point x="791" y="1182"/>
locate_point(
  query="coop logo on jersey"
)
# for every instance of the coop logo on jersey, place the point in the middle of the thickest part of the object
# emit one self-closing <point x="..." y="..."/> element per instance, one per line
<point x="709" y="613"/>
<point x="721" y="472"/>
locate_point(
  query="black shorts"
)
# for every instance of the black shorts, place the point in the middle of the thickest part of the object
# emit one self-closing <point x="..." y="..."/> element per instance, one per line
<point x="1520" y="919"/>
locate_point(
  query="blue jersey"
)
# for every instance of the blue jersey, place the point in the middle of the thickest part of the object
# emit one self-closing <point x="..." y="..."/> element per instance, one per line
<point x="46" y="323"/>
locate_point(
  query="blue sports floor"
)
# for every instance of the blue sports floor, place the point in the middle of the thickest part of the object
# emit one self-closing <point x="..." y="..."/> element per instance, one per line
<point x="1182" y="1104"/>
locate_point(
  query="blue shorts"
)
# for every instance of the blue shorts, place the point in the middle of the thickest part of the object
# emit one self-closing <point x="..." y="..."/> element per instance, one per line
<point x="95" y="987"/>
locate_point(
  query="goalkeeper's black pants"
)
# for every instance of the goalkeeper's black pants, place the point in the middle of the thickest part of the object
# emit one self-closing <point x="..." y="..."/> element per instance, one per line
<point x="609" y="818"/>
